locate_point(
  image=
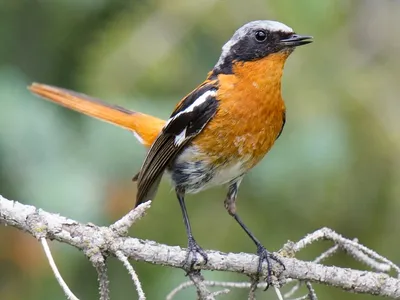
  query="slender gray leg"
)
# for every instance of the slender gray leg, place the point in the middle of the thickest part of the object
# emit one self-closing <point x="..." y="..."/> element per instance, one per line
<point x="263" y="254"/>
<point x="193" y="247"/>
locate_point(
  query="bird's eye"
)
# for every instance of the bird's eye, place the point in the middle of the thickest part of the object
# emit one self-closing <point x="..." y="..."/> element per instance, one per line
<point x="261" y="36"/>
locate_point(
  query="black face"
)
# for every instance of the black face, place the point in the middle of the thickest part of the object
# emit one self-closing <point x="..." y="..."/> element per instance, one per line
<point x="257" y="44"/>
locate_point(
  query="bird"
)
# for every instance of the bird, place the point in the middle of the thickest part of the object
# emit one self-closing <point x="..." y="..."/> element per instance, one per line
<point x="217" y="133"/>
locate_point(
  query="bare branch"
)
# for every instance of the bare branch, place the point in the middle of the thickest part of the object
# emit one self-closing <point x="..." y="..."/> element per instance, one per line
<point x="329" y="234"/>
<point x="278" y="293"/>
<point x="57" y="274"/>
<point x="198" y="281"/>
<point x="326" y="254"/>
<point x="293" y="290"/>
<point x="365" y="259"/>
<point x="226" y="284"/>
<point x="253" y="288"/>
<point x="221" y="292"/>
<point x="302" y="297"/>
<point x="311" y="292"/>
<point x="122" y="225"/>
<point x="179" y="288"/>
<point x="323" y="256"/>
<point x="99" y="263"/>
<point x="133" y="274"/>
<point x="85" y="237"/>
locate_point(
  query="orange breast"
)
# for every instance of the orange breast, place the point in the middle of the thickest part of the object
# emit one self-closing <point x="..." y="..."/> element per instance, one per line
<point x="251" y="113"/>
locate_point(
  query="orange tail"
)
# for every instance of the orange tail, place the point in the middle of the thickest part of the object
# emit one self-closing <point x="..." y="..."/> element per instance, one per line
<point x="145" y="127"/>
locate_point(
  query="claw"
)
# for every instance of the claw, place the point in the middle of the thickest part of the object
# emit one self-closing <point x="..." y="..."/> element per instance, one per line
<point x="192" y="254"/>
<point x="266" y="256"/>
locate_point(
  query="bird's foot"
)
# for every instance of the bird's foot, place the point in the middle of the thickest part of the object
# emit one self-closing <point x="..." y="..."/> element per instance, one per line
<point x="193" y="253"/>
<point x="265" y="256"/>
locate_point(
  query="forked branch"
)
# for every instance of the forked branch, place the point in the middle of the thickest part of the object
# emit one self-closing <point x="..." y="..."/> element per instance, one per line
<point x="95" y="240"/>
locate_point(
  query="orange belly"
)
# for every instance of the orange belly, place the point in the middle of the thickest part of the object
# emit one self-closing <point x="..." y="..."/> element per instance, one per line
<point x="241" y="135"/>
<point x="249" y="119"/>
<point x="224" y="151"/>
<point x="251" y="113"/>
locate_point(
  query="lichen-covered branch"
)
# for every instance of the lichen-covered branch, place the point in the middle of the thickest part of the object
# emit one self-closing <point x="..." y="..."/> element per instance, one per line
<point x="92" y="239"/>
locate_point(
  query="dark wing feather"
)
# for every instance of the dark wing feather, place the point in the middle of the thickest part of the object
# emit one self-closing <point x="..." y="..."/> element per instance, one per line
<point x="189" y="99"/>
<point x="187" y="121"/>
<point x="151" y="172"/>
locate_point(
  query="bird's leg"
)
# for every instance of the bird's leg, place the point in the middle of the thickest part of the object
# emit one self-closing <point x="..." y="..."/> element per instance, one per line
<point x="263" y="254"/>
<point x="193" y="247"/>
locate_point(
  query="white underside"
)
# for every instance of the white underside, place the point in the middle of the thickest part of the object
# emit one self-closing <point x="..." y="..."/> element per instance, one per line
<point x="227" y="173"/>
<point x="197" y="173"/>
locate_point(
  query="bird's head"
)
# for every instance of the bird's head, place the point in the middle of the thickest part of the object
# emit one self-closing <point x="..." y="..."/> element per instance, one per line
<point x="257" y="40"/>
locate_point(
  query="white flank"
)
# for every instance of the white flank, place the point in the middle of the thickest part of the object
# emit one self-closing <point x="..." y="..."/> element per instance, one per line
<point x="229" y="172"/>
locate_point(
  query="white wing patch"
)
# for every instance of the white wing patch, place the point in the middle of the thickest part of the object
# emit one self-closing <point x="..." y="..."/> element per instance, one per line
<point x="203" y="98"/>
<point x="180" y="138"/>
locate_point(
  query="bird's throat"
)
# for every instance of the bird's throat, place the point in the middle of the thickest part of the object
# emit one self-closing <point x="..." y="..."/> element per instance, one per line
<point x="264" y="74"/>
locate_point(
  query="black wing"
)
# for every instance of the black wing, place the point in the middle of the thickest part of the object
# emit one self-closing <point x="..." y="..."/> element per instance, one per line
<point x="187" y="121"/>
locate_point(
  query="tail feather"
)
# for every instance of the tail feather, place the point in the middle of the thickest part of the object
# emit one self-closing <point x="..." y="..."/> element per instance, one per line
<point x="145" y="127"/>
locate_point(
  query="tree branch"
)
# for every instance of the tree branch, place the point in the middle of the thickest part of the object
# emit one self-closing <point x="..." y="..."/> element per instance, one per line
<point x="87" y="237"/>
<point x="133" y="274"/>
<point x="64" y="286"/>
<point x="101" y="268"/>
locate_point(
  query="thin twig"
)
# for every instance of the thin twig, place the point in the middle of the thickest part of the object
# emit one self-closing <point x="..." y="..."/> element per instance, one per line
<point x="221" y="292"/>
<point x="179" y="288"/>
<point x="319" y="259"/>
<point x="311" y="292"/>
<point x="201" y="287"/>
<point x="133" y="274"/>
<point x="326" y="233"/>
<point x="365" y="259"/>
<point x="122" y="225"/>
<point x="301" y="298"/>
<point x="293" y="290"/>
<point x="278" y="293"/>
<point x="57" y="274"/>
<point x="253" y="288"/>
<point x="226" y="284"/>
<point x="355" y="249"/>
<point x="328" y="253"/>
<point x="99" y="263"/>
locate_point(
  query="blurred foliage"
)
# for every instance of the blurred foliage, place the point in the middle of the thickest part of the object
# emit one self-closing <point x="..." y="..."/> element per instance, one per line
<point x="336" y="164"/>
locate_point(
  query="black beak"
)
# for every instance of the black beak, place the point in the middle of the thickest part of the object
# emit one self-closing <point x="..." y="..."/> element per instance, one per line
<point x="296" y="40"/>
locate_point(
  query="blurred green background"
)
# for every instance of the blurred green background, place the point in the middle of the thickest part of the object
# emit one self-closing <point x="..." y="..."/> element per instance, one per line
<point x="336" y="163"/>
